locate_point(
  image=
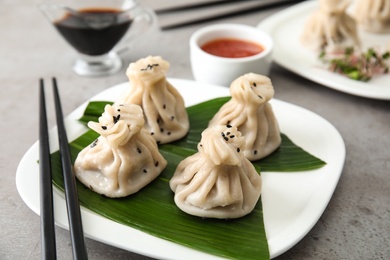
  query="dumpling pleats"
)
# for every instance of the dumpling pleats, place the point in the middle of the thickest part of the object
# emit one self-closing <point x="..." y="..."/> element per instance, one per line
<point x="330" y="28"/>
<point x="250" y="112"/>
<point x="166" y="118"/>
<point x="124" y="159"/>
<point x="222" y="185"/>
<point x="373" y="15"/>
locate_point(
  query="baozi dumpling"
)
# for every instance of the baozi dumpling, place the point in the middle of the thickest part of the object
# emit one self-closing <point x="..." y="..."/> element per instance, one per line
<point x="373" y="15"/>
<point x="218" y="181"/>
<point x="330" y="28"/>
<point x="165" y="114"/>
<point x="250" y="112"/>
<point x="125" y="157"/>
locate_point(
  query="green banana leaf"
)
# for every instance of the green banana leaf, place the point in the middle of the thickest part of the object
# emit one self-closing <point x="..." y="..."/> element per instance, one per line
<point x="152" y="210"/>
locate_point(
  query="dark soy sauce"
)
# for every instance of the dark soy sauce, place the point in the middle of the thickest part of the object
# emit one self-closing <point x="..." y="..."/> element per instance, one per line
<point x="94" y="31"/>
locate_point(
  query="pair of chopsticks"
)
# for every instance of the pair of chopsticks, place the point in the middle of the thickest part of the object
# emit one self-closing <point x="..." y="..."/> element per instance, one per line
<point x="240" y="7"/>
<point x="48" y="243"/>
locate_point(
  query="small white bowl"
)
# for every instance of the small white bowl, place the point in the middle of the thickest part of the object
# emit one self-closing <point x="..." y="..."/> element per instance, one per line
<point x="222" y="71"/>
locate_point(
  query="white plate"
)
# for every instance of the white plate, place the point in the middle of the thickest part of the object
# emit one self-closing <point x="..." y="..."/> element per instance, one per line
<point x="286" y="28"/>
<point x="292" y="202"/>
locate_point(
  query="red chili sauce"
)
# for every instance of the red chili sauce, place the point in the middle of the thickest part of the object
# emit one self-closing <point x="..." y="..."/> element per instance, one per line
<point x="232" y="48"/>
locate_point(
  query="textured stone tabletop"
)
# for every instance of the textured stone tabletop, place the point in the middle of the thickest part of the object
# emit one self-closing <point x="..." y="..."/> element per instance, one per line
<point x="356" y="222"/>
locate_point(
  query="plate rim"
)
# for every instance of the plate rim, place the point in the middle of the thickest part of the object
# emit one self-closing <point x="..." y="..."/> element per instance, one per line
<point x="162" y="252"/>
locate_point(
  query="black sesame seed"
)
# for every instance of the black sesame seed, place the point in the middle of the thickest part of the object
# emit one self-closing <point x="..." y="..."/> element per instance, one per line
<point x="228" y="126"/>
<point x="118" y="110"/>
<point x="156" y="164"/>
<point x="260" y="96"/>
<point x="149" y="67"/>
<point x="104" y="127"/>
<point x="228" y="133"/>
<point x="158" y="120"/>
<point x="238" y="150"/>
<point x="94" y="143"/>
<point x="232" y="136"/>
<point x="139" y="150"/>
<point x="116" y="118"/>
<point x="255" y="151"/>
<point x="164" y="106"/>
<point x="145" y="171"/>
<point x="226" y="139"/>
<point x="169" y="133"/>
<point x="151" y="133"/>
<point x="161" y="130"/>
<point x="172" y="117"/>
<point x="254" y="84"/>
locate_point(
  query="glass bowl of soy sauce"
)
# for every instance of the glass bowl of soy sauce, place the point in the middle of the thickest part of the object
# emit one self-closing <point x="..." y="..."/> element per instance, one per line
<point x="98" y="30"/>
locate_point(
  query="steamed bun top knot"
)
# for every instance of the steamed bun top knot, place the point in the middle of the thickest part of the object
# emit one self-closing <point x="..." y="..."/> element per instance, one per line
<point x="222" y="144"/>
<point x="119" y="123"/>
<point x="151" y="67"/>
<point x="252" y="88"/>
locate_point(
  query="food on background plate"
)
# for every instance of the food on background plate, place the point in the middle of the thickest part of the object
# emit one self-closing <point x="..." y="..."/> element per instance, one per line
<point x="165" y="114"/>
<point x="358" y="65"/>
<point x="125" y="157"/>
<point x="330" y="28"/>
<point x="217" y="181"/>
<point x="373" y="15"/>
<point x="333" y="34"/>
<point x="250" y="111"/>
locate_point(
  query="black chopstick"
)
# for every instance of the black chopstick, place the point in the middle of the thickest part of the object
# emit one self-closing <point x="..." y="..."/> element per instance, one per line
<point x="72" y="202"/>
<point x="193" y="6"/>
<point x="48" y="244"/>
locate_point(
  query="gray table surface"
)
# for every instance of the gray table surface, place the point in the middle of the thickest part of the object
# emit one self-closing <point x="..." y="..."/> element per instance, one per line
<point x="355" y="224"/>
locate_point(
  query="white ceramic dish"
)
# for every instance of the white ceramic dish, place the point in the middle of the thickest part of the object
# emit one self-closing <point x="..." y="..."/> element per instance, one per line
<point x="286" y="27"/>
<point x="292" y="202"/>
